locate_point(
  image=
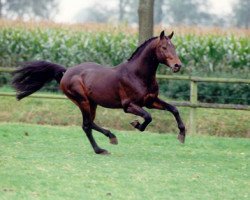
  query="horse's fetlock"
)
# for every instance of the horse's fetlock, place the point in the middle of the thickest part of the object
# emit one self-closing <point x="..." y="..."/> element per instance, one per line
<point x="182" y="128"/>
<point x="141" y="128"/>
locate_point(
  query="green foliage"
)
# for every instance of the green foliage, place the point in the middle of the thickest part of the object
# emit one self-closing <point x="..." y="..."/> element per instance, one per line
<point x="209" y="55"/>
<point x="214" y="54"/>
<point x="224" y="93"/>
<point x="63" y="46"/>
<point x="44" y="162"/>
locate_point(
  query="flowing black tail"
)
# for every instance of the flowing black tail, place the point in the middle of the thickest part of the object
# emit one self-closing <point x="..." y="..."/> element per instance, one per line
<point x="33" y="75"/>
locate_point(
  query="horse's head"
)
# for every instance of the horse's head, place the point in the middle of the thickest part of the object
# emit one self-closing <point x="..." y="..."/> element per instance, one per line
<point x="165" y="52"/>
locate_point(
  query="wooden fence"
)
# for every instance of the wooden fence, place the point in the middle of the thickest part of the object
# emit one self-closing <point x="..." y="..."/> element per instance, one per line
<point x="192" y="103"/>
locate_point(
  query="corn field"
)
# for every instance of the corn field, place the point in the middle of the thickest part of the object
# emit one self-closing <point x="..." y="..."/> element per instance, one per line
<point x="215" y="52"/>
<point x="204" y="52"/>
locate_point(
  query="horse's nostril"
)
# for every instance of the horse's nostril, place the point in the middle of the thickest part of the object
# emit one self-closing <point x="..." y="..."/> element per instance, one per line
<point x="177" y="65"/>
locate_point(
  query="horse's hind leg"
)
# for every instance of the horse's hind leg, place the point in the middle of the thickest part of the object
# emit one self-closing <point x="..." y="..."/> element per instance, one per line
<point x="87" y="127"/>
<point x="107" y="133"/>
<point x="79" y="97"/>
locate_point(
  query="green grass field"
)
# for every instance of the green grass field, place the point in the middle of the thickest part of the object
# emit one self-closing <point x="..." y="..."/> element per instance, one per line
<point x="53" y="162"/>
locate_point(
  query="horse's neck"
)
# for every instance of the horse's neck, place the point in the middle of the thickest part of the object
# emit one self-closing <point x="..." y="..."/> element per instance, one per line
<point x="145" y="65"/>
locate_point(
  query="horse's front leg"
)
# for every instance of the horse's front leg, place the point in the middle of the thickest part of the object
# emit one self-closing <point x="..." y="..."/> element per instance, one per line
<point x="162" y="105"/>
<point x="137" y="110"/>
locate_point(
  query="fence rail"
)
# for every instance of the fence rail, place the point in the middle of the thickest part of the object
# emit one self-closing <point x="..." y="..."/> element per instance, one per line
<point x="204" y="79"/>
<point x="192" y="103"/>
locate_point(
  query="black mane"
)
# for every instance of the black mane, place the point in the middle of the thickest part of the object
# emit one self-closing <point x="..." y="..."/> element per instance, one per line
<point x="140" y="48"/>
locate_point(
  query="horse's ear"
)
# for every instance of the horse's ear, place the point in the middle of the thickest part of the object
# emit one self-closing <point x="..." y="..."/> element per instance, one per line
<point x="162" y="35"/>
<point x="171" y="35"/>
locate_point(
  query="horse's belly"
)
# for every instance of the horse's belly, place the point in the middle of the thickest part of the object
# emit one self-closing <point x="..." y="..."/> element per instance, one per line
<point x="104" y="95"/>
<point x="107" y="101"/>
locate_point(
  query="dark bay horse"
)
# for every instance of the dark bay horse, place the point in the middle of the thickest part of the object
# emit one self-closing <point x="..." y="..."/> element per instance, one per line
<point x="131" y="85"/>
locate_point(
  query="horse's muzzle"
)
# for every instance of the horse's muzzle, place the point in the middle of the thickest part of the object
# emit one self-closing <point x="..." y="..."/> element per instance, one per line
<point x="176" y="68"/>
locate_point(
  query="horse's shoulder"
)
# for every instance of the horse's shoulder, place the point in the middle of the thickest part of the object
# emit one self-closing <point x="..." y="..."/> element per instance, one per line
<point x="154" y="87"/>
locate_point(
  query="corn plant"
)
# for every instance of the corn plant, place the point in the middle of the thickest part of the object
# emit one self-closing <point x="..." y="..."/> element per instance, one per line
<point x="203" y="55"/>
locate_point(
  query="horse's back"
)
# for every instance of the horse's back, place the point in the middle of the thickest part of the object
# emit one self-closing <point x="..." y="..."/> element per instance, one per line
<point x="88" y="69"/>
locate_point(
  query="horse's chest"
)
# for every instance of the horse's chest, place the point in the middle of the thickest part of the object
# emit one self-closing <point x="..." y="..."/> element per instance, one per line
<point x="138" y="92"/>
<point x="146" y="96"/>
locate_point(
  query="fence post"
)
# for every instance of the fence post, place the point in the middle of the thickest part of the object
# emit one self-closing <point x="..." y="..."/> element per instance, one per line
<point x="193" y="101"/>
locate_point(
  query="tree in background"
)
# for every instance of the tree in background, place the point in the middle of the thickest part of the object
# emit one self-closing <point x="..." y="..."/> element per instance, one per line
<point x="1" y="7"/>
<point x="158" y="11"/>
<point x="171" y="12"/>
<point x="146" y="19"/>
<point x="242" y="13"/>
<point x="186" y="12"/>
<point x="127" y="11"/>
<point x="96" y="13"/>
<point x="122" y="4"/>
<point x="27" y="9"/>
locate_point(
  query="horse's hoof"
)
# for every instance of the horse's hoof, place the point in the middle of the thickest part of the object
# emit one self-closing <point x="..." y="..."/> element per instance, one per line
<point x="135" y="124"/>
<point x="113" y="140"/>
<point x="105" y="152"/>
<point x="102" y="152"/>
<point x="181" y="138"/>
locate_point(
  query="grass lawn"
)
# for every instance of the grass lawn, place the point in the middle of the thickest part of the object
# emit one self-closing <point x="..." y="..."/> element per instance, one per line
<point x="52" y="162"/>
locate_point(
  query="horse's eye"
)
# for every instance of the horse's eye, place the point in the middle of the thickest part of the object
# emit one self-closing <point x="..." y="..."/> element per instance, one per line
<point x="164" y="48"/>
